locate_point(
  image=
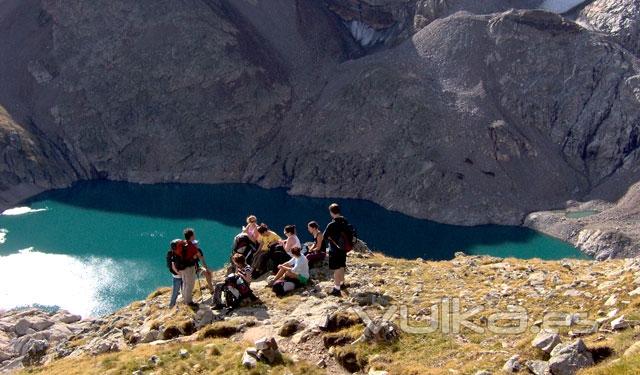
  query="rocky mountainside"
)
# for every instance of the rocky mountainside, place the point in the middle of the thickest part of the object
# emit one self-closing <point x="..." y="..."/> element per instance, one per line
<point x="397" y="317"/>
<point x="459" y="111"/>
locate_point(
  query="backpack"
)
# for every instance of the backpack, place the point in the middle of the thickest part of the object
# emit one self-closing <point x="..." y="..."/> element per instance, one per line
<point x="348" y="237"/>
<point x="170" y="259"/>
<point x="181" y="252"/>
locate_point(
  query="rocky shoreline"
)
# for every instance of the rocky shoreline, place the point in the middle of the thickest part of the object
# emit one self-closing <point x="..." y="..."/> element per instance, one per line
<point x="600" y="229"/>
<point x="356" y="334"/>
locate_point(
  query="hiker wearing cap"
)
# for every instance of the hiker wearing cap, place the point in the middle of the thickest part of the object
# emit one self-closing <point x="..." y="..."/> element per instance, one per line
<point x="177" y="278"/>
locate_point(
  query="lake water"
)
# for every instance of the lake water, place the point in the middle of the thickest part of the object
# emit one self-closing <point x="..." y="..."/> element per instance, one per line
<point x="98" y="246"/>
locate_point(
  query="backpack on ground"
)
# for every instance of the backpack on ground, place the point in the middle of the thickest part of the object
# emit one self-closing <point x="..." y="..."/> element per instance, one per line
<point x="235" y="291"/>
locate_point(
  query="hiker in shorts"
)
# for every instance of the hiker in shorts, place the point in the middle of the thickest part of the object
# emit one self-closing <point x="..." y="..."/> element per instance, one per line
<point x="294" y="271"/>
<point x="337" y="234"/>
<point x="188" y="255"/>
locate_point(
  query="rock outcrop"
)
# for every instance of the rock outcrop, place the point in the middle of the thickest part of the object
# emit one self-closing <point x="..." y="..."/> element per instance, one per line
<point x="341" y="335"/>
<point x="619" y="18"/>
<point x="439" y="109"/>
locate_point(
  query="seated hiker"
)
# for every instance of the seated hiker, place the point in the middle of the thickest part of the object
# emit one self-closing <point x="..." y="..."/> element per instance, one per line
<point x="268" y="239"/>
<point x="243" y="244"/>
<point x="171" y="264"/>
<point x="317" y="251"/>
<point x="292" y="274"/>
<point x="236" y="286"/>
<point x="292" y="240"/>
<point x="251" y="229"/>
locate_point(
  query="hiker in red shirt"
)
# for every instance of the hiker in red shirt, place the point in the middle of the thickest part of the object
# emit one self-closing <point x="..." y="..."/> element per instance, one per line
<point x="188" y="256"/>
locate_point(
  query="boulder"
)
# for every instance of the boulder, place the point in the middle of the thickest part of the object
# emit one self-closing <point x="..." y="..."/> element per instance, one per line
<point x="248" y="361"/>
<point x="204" y="316"/>
<point x="41" y="324"/>
<point x="69" y="318"/>
<point x="546" y="341"/>
<point x="611" y="301"/>
<point x="380" y="331"/>
<point x="149" y="336"/>
<point x="619" y="323"/>
<point x="100" y="345"/>
<point x="567" y="359"/>
<point x="537" y="367"/>
<point x="183" y="353"/>
<point x="632" y="350"/>
<point x="289" y="328"/>
<point x="22" y="327"/>
<point x="512" y="364"/>
<point x="35" y="350"/>
<point x="371" y="298"/>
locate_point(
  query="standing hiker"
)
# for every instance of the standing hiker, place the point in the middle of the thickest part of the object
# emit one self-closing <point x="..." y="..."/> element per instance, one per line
<point x="177" y="278"/>
<point x="188" y="256"/>
<point x="340" y="236"/>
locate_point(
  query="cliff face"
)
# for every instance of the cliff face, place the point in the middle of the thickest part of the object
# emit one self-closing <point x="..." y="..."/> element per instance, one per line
<point x="464" y="117"/>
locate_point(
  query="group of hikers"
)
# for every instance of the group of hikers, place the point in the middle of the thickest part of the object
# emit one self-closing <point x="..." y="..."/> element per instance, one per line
<point x="258" y="250"/>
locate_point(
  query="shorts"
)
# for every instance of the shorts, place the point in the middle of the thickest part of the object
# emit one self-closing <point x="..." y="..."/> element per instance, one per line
<point x="295" y="281"/>
<point x="337" y="259"/>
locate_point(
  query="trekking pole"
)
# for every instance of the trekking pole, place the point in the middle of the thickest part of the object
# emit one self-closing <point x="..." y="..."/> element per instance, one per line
<point x="200" y="287"/>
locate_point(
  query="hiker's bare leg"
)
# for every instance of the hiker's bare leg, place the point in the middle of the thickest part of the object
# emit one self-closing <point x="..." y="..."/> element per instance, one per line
<point x="338" y="277"/>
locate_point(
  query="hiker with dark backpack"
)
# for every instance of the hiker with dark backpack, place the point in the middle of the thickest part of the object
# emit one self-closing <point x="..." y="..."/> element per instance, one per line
<point x="171" y="265"/>
<point x="340" y="236"/>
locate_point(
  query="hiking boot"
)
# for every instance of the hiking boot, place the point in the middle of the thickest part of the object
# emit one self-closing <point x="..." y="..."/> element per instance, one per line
<point x="335" y="292"/>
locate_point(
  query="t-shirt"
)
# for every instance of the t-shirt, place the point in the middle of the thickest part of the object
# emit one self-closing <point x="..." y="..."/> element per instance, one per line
<point x="292" y="242"/>
<point x="334" y="231"/>
<point x="267" y="239"/>
<point x="300" y="266"/>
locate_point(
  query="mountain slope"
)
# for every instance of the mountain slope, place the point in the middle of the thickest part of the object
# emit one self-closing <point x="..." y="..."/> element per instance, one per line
<point x="459" y="117"/>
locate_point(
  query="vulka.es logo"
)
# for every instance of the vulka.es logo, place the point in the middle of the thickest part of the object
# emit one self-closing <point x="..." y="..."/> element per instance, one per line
<point x="447" y="316"/>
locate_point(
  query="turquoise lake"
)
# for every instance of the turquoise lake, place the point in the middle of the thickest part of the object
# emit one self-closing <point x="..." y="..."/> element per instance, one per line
<point x="97" y="246"/>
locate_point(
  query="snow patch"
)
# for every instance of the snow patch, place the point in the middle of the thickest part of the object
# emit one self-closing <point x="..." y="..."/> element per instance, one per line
<point x="366" y="35"/>
<point x="21" y="211"/>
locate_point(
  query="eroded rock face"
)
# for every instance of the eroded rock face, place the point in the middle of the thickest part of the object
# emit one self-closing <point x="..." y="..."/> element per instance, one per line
<point x="465" y="118"/>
